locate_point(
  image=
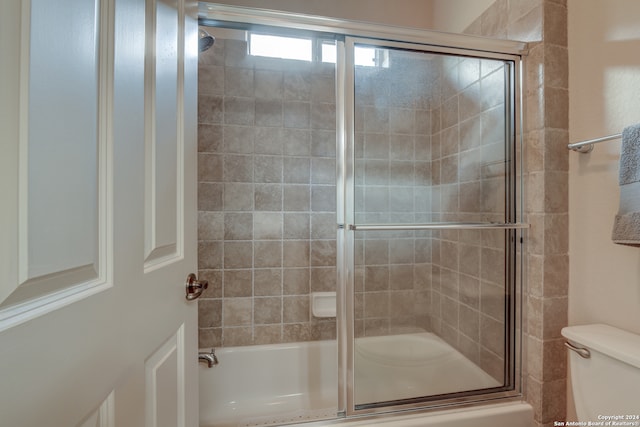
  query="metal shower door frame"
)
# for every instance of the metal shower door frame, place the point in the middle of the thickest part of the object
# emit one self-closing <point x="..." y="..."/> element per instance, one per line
<point x="347" y="33"/>
<point x="514" y="226"/>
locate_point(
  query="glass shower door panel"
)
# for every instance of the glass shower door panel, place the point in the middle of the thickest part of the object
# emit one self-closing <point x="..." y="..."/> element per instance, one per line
<point x="431" y="314"/>
<point x="432" y="306"/>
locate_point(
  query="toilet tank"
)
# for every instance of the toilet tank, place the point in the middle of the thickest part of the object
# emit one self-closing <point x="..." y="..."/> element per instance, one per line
<point x="607" y="384"/>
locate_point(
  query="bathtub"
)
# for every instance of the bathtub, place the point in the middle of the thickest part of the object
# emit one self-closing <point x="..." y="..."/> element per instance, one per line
<point x="297" y="382"/>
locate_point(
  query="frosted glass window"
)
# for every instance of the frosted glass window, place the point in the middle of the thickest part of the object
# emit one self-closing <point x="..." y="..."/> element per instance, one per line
<point x="280" y="47"/>
<point x="329" y="53"/>
<point x="363" y="56"/>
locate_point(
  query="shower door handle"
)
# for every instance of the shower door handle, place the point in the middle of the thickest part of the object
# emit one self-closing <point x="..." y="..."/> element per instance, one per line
<point x="195" y="287"/>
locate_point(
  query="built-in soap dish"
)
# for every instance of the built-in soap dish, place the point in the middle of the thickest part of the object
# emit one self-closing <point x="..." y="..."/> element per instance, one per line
<point x="323" y="304"/>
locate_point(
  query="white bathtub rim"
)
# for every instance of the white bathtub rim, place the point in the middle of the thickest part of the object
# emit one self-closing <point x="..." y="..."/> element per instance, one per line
<point x="295" y="344"/>
<point x="513" y="413"/>
<point x="382" y="418"/>
<point x="263" y="347"/>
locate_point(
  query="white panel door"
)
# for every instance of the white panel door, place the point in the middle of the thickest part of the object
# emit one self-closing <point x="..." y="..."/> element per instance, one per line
<point x="97" y="213"/>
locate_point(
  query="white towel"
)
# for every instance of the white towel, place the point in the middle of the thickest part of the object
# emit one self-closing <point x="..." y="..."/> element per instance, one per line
<point x="626" y="227"/>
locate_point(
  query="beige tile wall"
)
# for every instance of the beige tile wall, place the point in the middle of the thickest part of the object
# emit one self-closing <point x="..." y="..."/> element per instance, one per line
<point x="468" y="165"/>
<point x="393" y="178"/>
<point x="266" y="196"/>
<point x="267" y="201"/>
<point x="543" y="23"/>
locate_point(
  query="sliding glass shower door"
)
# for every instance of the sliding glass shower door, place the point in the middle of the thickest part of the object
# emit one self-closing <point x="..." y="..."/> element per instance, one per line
<point x="430" y="223"/>
<point x="425" y="262"/>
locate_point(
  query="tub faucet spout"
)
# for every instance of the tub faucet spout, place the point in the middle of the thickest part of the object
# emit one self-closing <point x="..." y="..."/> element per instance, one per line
<point x="209" y="358"/>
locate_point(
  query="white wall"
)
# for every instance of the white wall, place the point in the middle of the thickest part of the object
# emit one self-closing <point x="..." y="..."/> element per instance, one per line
<point x="406" y="13"/>
<point x="604" y="97"/>
<point x="441" y="15"/>
<point x="455" y="15"/>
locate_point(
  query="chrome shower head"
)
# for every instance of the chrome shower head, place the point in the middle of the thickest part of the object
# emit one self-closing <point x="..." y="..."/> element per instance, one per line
<point x="205" y="40"/>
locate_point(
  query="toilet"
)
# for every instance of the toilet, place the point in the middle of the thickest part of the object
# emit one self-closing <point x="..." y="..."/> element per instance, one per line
<point x="605" y="372"/>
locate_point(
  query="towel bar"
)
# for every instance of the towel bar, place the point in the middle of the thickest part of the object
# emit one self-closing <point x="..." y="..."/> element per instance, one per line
<point x="587" y="146"/>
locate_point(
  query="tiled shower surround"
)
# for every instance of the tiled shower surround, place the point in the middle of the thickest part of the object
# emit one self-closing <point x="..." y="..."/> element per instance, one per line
<point x="542" y="23"/>
<point x="267" y="198"/>
<point x="430" y="147"/>
<point x="392" y="185"/>
<point x="468" y="176"/>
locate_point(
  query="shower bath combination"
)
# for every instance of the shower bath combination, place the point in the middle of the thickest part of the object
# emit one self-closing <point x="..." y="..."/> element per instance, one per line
<point x="384" y="169"/>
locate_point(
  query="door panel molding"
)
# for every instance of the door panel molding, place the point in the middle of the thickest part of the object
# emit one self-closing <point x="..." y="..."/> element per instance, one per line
<point x="62" y="201"/>
<point x="103" y="416"/>
<point x="164" y="140"/>
<point x="163" y="368"/>
<point x="98" y="318"/>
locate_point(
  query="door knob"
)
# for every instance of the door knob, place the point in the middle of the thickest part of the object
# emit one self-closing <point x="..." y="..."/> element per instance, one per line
<point x="195" y="287"/>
